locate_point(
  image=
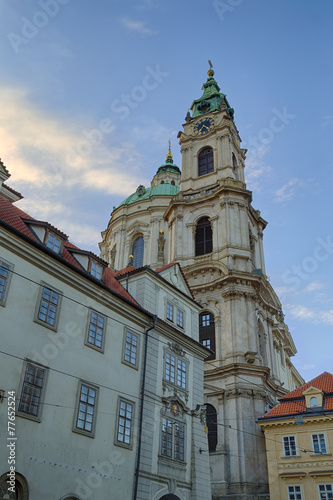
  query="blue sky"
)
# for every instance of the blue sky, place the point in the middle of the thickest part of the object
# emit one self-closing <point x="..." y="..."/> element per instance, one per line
<point x="92" y="91"/>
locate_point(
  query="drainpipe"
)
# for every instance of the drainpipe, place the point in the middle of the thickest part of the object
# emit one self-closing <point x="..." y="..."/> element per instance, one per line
<point x="137" y="468"/>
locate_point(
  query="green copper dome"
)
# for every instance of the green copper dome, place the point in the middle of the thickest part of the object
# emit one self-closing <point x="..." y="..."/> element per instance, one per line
<point x="212" y="99"/>
<point x="168" y="166"/>
<point x="143" y="193"/>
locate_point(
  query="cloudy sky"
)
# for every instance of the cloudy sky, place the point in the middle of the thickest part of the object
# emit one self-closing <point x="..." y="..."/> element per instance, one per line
<point x="91" y="91"/>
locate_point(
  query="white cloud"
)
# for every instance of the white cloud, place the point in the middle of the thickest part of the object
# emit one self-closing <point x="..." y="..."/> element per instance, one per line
<point x="49" y="154"/>
<point x="314" y="316"/>
<point x="256" y="169"/>
<point x="138" y="27"/>
<point x="314" y="287"/>
<point x="288" y="191"/>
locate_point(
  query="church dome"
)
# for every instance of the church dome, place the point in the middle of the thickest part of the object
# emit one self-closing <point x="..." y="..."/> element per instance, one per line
<point x="143" y="193"/>
<point x="165" y="183"/>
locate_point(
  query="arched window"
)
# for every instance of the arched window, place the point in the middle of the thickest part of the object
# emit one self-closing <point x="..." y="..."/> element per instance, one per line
<point x="211" y="422"/>
<point x="207" y="332"/>
<point x="203" y="237"/>
<point x="172" y="183"/>
<point x="205" y="161"/>
<point x="314" y="402"/>
<point x="21" y="488"/>
<point x="137" y="251"/>
<point x="262" y="343"/>
<point x="170" y="496"/>
<point x="234" y="165"/>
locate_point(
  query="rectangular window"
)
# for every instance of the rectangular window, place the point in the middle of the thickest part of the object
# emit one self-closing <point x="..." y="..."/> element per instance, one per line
<point x="206" y="343"/>
<point x="96" y="329"/>
<point x="325" y="491"/>
<point x="32" y="390"/>
<point x="172" y="439"/>
<point x="319" y="444"/>
<point x="131" y="348"/>
<point x="86" y="409"/>
<point x="125" y="422"/>
<point x="175" y="370"/>
<point x="294" y="493"/>
<point x="96" y="270"/>
<point x="169" y="313"/>
<point x="289" y="446"/>
<point x="180" y="318"/>
<point x="48" y="307"/>
<point x="5" y="275"/>
<point x="53" y="243"/>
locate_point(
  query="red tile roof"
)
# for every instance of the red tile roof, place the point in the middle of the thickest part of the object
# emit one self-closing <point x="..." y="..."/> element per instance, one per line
<point x="323" y="382"/>
<point x="15" y="218"/>
<point x="293" y="403"/>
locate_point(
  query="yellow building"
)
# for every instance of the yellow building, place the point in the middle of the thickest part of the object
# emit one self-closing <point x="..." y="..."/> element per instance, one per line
<point x="299" y="442"/>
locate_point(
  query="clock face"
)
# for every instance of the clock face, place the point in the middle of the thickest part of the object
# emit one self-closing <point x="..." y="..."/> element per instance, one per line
<point x="203" y="126"/>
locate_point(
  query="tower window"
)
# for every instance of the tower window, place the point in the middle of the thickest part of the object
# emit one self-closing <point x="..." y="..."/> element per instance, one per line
<point x="205" y="161"/>
<point x="234" y="165"/>
<point x="203" y="237"/>
<point x="207" y="332"/>
<point x="137" y="252"/>
<point x="211" y="421"/>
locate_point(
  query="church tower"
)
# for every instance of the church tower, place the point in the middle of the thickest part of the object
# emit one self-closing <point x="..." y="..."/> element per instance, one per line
<point x="210" y="228"/>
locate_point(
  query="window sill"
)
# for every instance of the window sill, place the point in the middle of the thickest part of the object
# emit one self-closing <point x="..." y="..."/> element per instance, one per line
<point x="28" y="416"/>
<point x="321" y="455"/>
<point x="47" y="325"/>
<point x="131" y="365"/>
<point x="180" y="464"/>
<point x="124" y="445"/>
<point x="84" y="433"/>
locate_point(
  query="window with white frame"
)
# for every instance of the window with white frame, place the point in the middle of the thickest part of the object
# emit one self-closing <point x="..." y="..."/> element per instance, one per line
<point x="289" y="446"/>
<point x="125" y="423"/>
<point x="319" y="444"/>
<point x="175" y="370"/>
<point x="86" y="409"/>
<point x="5" y="277"/>
<point x="172" y="439"/>
<point x="96" y="330"/>
<point x="48" y="307"/>
<point x="325" y="491"/>
<point x="294" y="493"/>
<point x="131" y="348"/>
<point x="32" y="390"/>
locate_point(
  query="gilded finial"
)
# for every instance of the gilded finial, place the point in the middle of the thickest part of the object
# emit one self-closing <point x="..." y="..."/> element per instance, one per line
<point x="169" y="154"/>
<point x="210" y="72"/>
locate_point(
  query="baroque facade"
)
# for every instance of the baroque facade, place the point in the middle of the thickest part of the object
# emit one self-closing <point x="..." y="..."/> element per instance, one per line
<point x="202" y="217"/>
<point x="101" y="385"/>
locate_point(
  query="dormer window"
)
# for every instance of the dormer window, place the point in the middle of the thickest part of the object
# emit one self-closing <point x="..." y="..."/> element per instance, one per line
<point x="47" y="234"/>
<point x="96" y="270"/>
<point x="89" y="262"/>
<point x="53" y="242"/>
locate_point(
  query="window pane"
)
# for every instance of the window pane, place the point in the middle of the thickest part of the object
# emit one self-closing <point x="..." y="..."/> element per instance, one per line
<point x="205" y="162"/>
<point x="48" y="306"/>
<point x="96" y="329"/>
<point x="4" y="273"/>
<point x="125" y="422"/>
<point x="86" y="409"/>
<point x="137" y="252"/>
<point x="203" y="237"/>
<point x="131" y="348"/>
<point x="32" y="390"/>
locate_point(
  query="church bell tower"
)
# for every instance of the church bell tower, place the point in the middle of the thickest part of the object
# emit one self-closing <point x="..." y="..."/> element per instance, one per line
<point x="217" y="237"/>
